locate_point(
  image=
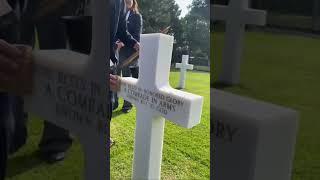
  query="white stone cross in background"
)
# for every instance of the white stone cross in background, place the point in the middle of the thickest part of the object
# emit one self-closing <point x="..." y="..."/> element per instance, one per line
<point x="237" y="15"/>
<point x="156" y="100"/>
<point x="183" y="66"/>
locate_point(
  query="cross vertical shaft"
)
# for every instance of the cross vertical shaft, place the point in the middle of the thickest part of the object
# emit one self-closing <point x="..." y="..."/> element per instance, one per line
<point x="232" y="60"/>
<point x="148" y="145"/>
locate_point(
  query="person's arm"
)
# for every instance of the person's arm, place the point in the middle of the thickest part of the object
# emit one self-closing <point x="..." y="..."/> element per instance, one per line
<point x="122" y="32"/>
<point x="136" y="26"/>
<point x="115" y="83"/>
<point x="124" y="35"/>
<point x="15" y="68"/>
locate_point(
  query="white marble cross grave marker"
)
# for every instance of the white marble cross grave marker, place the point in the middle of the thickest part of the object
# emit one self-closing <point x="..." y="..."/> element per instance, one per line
<point x="70" y="90"/>
<point x="237" y="15"/>
<point x="156" y="101"/>
<point x="183" y="66"/>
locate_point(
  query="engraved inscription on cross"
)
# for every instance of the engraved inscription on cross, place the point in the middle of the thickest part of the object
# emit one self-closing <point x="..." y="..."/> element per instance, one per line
<point x="156" y="101"/>
<point x="237" y="15"/>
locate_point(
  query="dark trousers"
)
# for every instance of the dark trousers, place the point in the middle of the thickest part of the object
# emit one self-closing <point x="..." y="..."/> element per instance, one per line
<point x="4" y="101"/>
<point x="8" y="32"/>
<point x="51" y="35"/>
<point x="128" y="71"/>
<point x="15" y="127"/>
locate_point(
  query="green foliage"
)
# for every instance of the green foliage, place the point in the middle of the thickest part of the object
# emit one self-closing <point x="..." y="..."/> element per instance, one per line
<point x="192" y="30"/>
<point x="197" y="28"/>
<point x="159" y="14"/>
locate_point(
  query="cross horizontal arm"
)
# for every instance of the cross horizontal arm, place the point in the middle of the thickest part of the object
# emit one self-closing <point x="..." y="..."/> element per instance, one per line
<point x="255" y="17"/>
<point x="179" y="65"/>
<point x="246" y="15"/>
<point x="186" y="66"/>
<point x="61" y="60"/>
<point x="180" y="107"/>
<point x="219" y="12"/>
<point x="189" y="66"/>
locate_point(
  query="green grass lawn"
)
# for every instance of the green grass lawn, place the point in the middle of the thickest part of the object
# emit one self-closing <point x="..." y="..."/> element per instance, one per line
<point x="185" y="152"/>
<point x="283" y="70"/>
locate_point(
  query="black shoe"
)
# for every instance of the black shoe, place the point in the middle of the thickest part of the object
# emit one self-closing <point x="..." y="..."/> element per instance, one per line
<point x="115" y="106"/>
<point x="111" y="143"/>
<point x="126" y="109"/>
<point x="53" y="157"/>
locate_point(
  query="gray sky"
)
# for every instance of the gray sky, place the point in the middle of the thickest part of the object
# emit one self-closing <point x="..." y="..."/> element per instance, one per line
<point x="183" y="4"/>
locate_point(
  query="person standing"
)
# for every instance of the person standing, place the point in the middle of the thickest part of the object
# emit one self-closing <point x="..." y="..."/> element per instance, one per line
<point x="45" y="17"/>
<point x="12" y="132"/>
<point x="12" y="59"/>
<point x="134" y="24"/>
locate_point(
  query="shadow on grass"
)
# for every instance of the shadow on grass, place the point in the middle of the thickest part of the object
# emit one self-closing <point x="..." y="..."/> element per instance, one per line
<point x="117" y="113"/>
<point x="222" y="86"/>
<point x="20" y="164"/>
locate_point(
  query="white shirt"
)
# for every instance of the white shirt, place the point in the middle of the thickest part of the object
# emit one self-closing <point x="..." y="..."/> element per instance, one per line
<point x="5" y="8"/>
<point x="128" y="14"/>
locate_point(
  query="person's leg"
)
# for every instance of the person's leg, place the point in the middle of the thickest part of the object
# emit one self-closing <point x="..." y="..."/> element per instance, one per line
<point x="3" y="152"/>
<point x="124" y="54"/>
<point x="3" y="134"/>
<point x="27" y="33"/>
<point x="127" y="106"/>
<point x="16" y="124"/>
<point x="55" y="140"/>
<point x="135" y="71"/>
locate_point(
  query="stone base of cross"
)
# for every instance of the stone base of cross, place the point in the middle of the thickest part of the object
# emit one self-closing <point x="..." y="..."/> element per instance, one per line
<point x="156" y="101"/>
<point x="237" y="15"/>
<point x="253" y="140"/>
<point x="183" y="66"/>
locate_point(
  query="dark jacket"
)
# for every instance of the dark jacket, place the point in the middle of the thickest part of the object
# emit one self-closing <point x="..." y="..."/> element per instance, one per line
<point x="134" y="24"/>
<point x="118" y="27"/>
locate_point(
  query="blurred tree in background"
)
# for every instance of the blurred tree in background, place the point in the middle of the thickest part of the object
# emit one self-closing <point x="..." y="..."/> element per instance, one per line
<point x="191" y="31"/>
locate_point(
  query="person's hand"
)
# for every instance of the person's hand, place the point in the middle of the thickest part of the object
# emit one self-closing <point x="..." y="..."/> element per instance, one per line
<point x="119" y="44"/>
<point x="15" y="67"/>
<point x="137" y="46"/>
<point x="9" y="60"/>
<point x="115" y="83"/>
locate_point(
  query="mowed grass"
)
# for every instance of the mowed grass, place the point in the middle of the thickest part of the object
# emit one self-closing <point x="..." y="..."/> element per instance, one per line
<point x="186" y="152"/>
<point x="283" y="70"/>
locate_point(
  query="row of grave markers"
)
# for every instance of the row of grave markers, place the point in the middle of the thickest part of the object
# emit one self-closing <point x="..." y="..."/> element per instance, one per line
<point x="70" y="90"/>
